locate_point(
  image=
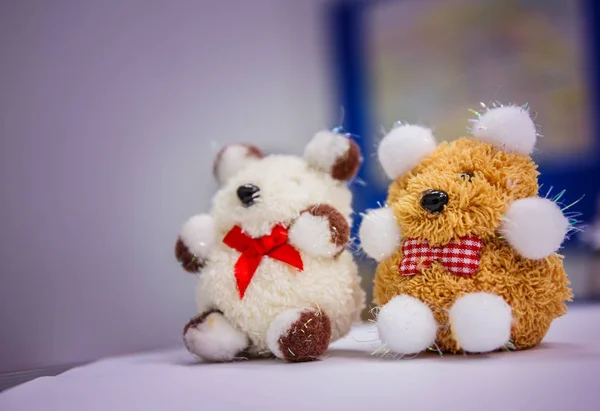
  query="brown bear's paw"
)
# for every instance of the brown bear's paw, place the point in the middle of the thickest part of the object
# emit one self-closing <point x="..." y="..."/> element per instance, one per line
<point x="209" y="336"/>
<point x="299" y="335"/>
<point x="379" y="233"/>
<point x="481" y="322"/>
<point x="406" y="325"/>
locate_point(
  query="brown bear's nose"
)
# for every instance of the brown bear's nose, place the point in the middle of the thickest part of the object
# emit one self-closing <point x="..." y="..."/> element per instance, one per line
<point x="434" y="201"/>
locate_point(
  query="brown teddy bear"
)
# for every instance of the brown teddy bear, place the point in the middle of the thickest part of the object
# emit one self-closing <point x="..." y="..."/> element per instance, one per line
<point x="467" y="249"/>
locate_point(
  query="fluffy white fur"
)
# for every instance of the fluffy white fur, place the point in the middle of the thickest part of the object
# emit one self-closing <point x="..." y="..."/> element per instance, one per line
<point x="481" y="322"/>
<point x="287" y="186"/>
<point x="535" y="227"/>
<point x="324" y="149"/>
<point x="279" y="328"/>
<point x="509" y="127"/>
<point x="379" y="233"/>
<point x="215" y="339"/>
<point x="311" y="234"/>
<point x="233" y="159"/>
<point x="403" y="148"/>
<point x="332" y="284"/>
<point x="198" y="234"/>
<point x="202" y="298"/>
<point x="406" y="325"/>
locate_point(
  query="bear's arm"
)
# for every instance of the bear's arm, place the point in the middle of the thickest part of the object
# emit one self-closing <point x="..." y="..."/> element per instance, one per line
<point x="320" y="230"/>
<point x="535" y="227"/>
<point x="194" y="242"/>
<point x="379" y="233"/>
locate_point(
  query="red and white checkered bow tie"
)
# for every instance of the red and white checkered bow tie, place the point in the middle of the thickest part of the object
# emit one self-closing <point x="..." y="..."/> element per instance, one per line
<point x="460" y="257"/>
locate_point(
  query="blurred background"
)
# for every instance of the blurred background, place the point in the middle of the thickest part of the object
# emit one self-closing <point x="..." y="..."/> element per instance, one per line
<point x="111" y="112"/>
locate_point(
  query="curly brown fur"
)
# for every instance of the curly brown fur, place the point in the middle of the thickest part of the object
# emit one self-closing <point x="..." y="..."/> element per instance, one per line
<point x="477" y="206"/>
<point x="535" y="289"/>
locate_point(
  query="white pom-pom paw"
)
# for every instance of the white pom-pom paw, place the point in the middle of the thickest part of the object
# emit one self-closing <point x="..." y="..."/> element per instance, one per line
<point x="403" y="148"/>
<point x="312" y="235"/>
<point x="510" y="128"/>
<point x="406" y="325"/>
<point x="232" y="159"/>
<point x="535" y="227"/>
<point x="333" y="153"/>
<point x="481" y="322"/>
<point x="198" y="234"/>
<point x="379" y="233"/>
<point x="213" y="338"/>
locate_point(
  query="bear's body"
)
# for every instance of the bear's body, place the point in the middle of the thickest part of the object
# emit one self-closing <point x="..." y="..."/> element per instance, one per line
<point x="273" y="261"/>
<point x="536" y="290"/>
<point x="468" y="257"/>
<point x="332" y="286"/>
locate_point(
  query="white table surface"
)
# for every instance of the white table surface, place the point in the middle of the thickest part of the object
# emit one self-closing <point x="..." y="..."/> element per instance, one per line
<point x="562" y="374"/>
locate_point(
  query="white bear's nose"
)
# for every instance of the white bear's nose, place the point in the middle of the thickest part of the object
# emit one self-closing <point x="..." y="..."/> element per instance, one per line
<point x="247" y="194"/>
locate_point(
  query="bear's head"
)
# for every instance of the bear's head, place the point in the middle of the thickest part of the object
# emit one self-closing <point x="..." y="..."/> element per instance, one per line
<point x="257" y="191"/>
<point x="453" y="189"/>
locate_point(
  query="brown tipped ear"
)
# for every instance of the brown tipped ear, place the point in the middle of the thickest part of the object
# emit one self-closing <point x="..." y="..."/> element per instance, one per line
<point x="334" y="154"/>
<point x="233" y="158"/>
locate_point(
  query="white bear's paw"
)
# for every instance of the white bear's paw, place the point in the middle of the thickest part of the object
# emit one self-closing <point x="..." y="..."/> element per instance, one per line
<point x="198" y="234"/>
<point x="211" y="337"/>
<point x="406" y="325"/>
<point x="194" y="242"/>
<point x="321" y="230"/>
<point x="379" y="233"/>
<point x="481" y="322"/>
<point x="299" y="335"/>
<point x="535" y="227"/>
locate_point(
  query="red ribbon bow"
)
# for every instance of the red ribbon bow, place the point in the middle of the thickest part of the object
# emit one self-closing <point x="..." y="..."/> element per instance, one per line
<point x="273" y="245"/>
<point x="460" y="257"/>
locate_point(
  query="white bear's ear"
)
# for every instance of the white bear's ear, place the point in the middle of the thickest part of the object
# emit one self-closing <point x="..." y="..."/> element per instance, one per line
<point x="333" y="153"/>
<point x="510" y="128"/>
<point x="232" y="158"/>
<point x="403" y="148"/>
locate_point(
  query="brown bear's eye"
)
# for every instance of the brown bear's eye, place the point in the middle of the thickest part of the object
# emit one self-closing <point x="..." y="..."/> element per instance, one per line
<point x="466" y="176"/>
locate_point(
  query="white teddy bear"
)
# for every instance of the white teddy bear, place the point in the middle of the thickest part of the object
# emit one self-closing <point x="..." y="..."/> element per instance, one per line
<point x="274" y="273"/>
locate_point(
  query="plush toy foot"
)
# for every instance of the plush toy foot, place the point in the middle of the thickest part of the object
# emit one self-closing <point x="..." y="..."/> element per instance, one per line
<point x="299" y="335"/>
<point x="481" y="322"/>
<point x="406" y="325"/>
<point x="211" y="337"/>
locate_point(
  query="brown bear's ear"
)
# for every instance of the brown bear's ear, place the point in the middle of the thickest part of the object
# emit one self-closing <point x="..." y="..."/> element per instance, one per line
<point x="232" y="158"/>
<point x="403" y="148"/>
<point x="510" y="128"/>
<point x="333" y="153"/>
